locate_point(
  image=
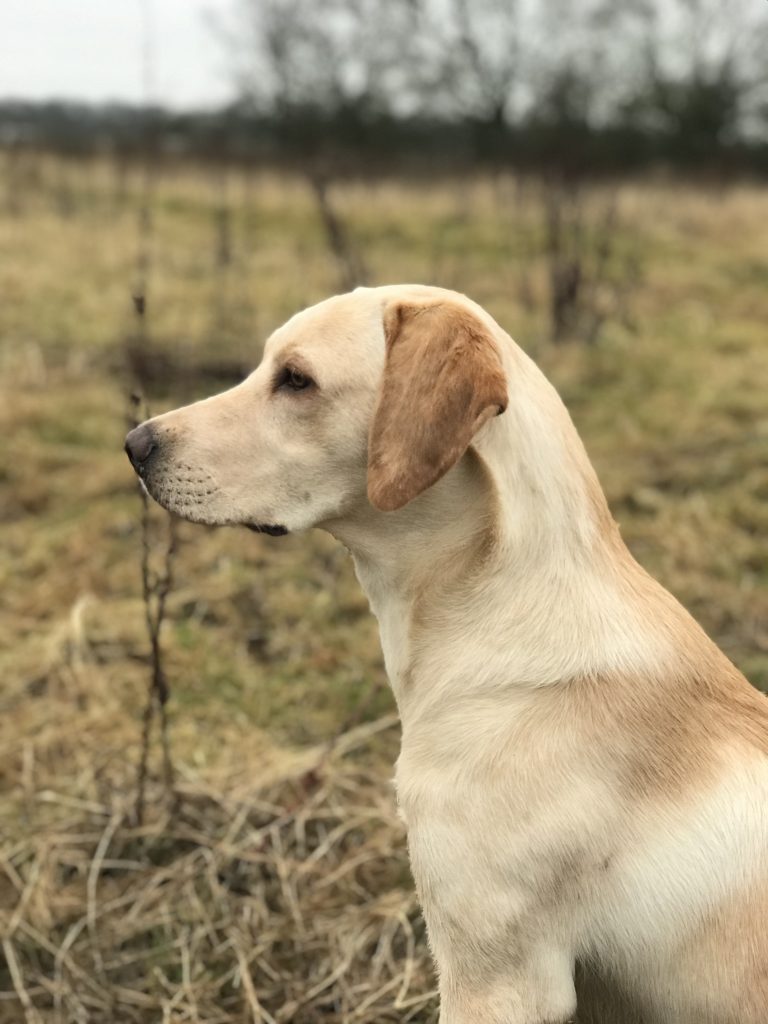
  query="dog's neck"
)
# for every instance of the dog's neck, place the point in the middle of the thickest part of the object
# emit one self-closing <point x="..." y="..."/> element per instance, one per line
<point x="514" y="547"/>
<point x="405" y="560"/>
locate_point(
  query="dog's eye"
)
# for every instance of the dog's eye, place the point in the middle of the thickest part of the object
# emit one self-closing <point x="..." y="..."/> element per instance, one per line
<point x="292" y="379"/>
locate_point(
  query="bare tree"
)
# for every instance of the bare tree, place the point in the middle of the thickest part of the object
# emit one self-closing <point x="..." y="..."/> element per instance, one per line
<point x="312" y="64"/>
<point x="589" y="278"/>
<point x="294" y="56"/>
<point x="483" y="58"/>
<point x="694" y="69"/>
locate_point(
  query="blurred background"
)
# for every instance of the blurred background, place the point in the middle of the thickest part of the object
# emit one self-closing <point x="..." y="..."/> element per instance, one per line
<point x="196" y="736"/>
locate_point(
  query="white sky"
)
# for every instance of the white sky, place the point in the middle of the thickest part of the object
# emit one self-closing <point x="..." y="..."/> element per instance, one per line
<point x="92" y="50"/>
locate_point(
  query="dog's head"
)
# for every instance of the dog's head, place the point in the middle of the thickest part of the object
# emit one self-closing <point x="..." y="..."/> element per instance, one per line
<point x="371" y="396"/>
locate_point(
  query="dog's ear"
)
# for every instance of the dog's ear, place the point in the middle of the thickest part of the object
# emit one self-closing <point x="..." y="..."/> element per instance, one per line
<point x="442" y="380"/>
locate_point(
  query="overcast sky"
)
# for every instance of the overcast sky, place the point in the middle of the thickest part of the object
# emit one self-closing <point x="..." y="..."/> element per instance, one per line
<point x="91" y="50"/>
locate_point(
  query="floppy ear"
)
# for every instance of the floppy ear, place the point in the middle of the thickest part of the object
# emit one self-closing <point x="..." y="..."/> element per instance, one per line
<point x="442" y="380"/>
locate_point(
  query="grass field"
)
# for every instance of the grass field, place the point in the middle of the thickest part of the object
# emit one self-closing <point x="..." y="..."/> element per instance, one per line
<point x="274" y="886"/>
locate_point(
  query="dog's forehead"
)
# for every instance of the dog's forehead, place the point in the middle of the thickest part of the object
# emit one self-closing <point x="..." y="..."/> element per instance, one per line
<point x="342" y="327"/>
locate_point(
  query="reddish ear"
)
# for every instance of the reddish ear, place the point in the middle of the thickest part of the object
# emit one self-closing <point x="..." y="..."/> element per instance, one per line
<point x="442" y="380"/>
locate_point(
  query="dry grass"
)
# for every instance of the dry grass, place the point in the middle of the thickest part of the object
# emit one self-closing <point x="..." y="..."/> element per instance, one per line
<point x="279" y="889"/>
<point x="285" y="902"/>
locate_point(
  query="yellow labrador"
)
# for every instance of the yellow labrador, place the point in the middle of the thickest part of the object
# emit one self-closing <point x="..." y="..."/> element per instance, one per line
<point x="584" y="775"/>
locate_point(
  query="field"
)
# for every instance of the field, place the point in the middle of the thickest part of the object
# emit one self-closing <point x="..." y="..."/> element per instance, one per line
<point x="271" y="883"/>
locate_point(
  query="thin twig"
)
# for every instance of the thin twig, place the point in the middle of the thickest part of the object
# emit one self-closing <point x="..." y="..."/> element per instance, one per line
<point x="92" y="886"/>
<point x="30" y="1013"/>
<point x="156" y="585"/>
<point x="352" y="269"/>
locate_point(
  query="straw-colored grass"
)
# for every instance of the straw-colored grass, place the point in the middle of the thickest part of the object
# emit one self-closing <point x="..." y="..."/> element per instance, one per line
<point x="273" y="885"/>
<point x="283" y="901"/>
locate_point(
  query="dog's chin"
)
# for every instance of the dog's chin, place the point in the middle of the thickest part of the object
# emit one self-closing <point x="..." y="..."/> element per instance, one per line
<point x="272" y="529"/>
<point x="189" y="506"/>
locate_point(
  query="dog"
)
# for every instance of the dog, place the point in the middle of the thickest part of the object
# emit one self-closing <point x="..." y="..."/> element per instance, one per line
<point x="583" y="774"/>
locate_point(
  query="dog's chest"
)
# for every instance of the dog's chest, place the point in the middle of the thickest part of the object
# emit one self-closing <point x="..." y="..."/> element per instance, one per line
<point x="533" y="827"/>
<point x="489" y="808"/>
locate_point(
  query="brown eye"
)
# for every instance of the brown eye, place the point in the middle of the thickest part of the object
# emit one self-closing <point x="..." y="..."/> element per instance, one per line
<point x="293" y="380"/>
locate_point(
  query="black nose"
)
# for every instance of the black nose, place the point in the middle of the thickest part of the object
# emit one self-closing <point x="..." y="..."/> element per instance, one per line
<point x="139" y="445"/>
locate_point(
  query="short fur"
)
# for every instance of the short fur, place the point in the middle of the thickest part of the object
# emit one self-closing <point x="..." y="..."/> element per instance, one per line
<point x="442" y="380"/>
<point x="584" y="775"/>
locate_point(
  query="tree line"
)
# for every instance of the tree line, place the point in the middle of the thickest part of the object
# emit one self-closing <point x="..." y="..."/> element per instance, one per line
<point x="602" y="86"/>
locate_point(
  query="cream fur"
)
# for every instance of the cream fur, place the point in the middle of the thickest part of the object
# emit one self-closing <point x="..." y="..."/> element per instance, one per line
<point x="583" y="774"/>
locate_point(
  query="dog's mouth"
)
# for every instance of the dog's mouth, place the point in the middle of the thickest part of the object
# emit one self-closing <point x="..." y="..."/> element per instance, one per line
<point x="272" y="530"/>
